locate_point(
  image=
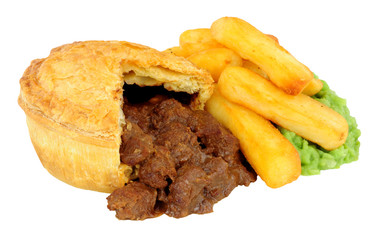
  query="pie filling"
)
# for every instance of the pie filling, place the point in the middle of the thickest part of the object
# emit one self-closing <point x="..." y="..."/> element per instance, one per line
<point x="183" y="161"/>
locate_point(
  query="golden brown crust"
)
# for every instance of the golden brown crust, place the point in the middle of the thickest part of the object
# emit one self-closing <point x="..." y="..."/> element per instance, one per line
<point x="78" y="163"/>
<point x="76" y="93"/>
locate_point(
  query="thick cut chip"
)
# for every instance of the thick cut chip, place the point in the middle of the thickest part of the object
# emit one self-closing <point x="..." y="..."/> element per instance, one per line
<point x="178" y="51"/>
<point x="253" y="67"/>
<point x="215" y="60"/>
<point x="312" y="88"/>
<point x="193" y="41"/>
<point x="270" y="154"/>
<point x="283" y="69"/>
<point x="301" y="114"/>
<point x="196" y="40"/>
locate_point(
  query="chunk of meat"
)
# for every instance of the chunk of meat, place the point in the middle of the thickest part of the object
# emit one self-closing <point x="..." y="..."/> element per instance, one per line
<point x="221" y="180"/>
<point x="197" y="188"/>
<point x="136" y="146"/>
<point x="139" y="114"/>
<point x="170" y="111"/>
<point x="186" y="193"/>
<point x="218" y="140"/>
<point x="135" y="201"/>
<point x="157" y="169"/>
<point x="180" y="141"/>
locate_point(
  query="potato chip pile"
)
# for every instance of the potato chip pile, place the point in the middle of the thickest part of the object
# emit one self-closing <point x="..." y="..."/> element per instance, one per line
<point x="259" y="83"/>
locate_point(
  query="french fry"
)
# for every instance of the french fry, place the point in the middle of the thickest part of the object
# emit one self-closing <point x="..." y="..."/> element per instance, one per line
<point x="215" y="60"/>
<point x="270" y="154"/>
<point x="254" y="68"/>
<point x="301" y="114"/>
<point x="282" y="68"/>
<point x="313" y="87"/>
<point x="196" y="40"/>
<point x="273" y="37"/>
<point x="178" y="51"/>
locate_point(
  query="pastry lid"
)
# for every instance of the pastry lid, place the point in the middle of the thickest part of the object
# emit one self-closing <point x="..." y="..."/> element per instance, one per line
<point x="78" y="87"/>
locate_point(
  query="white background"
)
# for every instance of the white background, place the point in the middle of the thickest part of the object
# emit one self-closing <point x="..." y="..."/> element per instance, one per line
<point x="336" y="39"/>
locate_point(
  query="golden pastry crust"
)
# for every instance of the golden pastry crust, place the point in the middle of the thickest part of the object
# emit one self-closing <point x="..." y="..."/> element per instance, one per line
<point x="73" y="98"/>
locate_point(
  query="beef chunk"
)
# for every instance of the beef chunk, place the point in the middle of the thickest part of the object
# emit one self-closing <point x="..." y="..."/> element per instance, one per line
<point x="197" y="188"/>
<point x="135" y="201"/>
<point x="170" y="111"/>
<point x="218" y="140"/>
<point x="222" y="181"/>
<point x="186" y="193"/>
<point x="157" y="169"/>
<point x="136" y="145"/>
<point x="180" y="140"/>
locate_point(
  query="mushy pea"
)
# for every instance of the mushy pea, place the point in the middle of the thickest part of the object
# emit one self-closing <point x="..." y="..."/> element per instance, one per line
<point x="313" y="157"/>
